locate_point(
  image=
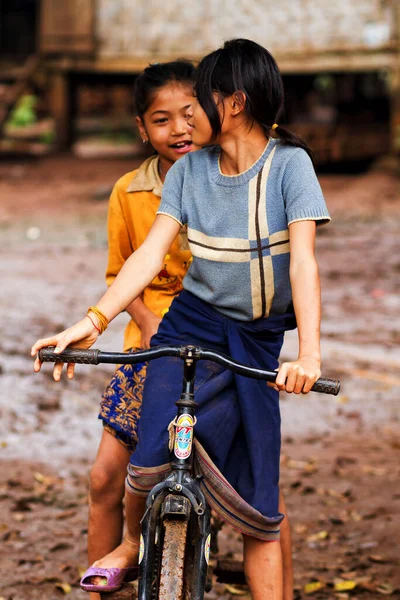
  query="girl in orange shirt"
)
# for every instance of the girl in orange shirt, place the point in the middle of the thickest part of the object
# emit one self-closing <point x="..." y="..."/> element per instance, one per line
<point x="163" y="94"/>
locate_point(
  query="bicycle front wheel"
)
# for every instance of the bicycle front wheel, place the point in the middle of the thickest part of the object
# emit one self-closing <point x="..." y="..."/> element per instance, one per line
<point x="173" y="560"/>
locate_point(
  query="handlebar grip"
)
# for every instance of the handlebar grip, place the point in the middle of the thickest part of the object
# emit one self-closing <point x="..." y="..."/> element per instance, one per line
<point x="70" y="355"/>
<point x="327" y="386"/>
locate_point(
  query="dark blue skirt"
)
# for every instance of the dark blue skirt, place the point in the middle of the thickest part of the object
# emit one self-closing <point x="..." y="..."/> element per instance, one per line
<point x="238" y="419"/>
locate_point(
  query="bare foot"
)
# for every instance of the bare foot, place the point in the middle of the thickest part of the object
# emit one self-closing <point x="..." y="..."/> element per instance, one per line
<point x="124" y="556"/>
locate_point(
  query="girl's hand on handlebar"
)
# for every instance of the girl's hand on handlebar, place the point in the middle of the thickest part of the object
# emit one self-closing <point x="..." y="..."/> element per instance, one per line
<point x="298" y="376"/>
<point x="82" y="335"/>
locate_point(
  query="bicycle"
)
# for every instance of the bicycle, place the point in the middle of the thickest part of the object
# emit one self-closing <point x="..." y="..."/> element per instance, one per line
<point x="175" y="529"/>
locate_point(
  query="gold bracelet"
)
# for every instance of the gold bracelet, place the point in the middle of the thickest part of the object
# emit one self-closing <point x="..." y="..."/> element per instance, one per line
<point x="102" y="319"/>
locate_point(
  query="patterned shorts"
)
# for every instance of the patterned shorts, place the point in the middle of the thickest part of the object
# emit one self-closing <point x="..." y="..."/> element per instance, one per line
<point x="121" y="403"/>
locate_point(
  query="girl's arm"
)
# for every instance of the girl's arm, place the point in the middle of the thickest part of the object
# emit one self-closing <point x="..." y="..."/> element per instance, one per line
<point x="136" y="274"/>
<point x="120" y="248"/>
<point x="300" y="375"/>
<point x="145" y="319"/>
<point x="140" y="268"/>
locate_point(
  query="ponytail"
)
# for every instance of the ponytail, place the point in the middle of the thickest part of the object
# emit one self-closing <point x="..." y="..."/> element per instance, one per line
<point x="292" y="139"/>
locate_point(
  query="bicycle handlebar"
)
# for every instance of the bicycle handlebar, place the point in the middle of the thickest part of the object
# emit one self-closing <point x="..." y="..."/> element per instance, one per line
<point x="95" y="357"/>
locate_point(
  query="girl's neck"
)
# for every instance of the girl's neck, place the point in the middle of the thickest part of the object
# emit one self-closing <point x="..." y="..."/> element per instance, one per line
<point x="241" y="150"/>
<point x="164" y="166"/>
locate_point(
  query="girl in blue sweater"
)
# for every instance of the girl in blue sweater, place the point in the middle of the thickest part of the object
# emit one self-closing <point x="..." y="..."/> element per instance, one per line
<point x="251" y="203"/>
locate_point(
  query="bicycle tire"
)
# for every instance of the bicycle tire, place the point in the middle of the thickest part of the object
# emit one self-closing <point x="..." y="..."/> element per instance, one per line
<point x="173" y="560"/>
<point x="189" y="571"/>
<point x="157" y="562"/>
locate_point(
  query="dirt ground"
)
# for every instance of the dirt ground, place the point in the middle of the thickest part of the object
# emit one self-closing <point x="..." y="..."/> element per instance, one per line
<point x="340" y="456"/>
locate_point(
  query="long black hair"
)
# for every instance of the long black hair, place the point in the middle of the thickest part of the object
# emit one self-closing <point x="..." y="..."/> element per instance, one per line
<point x="155" y="76"/>
<point x="243" y="65"/>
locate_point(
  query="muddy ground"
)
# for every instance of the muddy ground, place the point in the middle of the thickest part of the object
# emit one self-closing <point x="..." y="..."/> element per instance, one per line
<point x="340" y="456"/>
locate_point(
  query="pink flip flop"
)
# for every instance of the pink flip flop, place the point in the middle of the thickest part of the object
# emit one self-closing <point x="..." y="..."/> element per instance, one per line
<point x="114" y="578"/>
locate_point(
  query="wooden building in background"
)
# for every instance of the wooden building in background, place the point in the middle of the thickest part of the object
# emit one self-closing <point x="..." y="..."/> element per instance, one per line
<point x="333" y="55"/>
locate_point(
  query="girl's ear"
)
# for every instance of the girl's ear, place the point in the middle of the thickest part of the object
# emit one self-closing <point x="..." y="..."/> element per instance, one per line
<point x="238" y="102"/>
<point x="142" y="129"/>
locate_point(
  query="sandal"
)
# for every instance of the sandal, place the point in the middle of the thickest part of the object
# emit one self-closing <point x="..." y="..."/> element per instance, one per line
<point x="115" y="578"/>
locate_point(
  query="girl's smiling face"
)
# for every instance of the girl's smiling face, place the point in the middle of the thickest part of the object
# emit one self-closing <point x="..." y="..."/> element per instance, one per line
<point x="165" y="122"/>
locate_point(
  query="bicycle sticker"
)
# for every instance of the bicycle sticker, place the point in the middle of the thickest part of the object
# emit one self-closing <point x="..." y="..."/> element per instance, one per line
<point x="183" y="436"/>
<point x="207" y="548"/>
<point x="141" y="549"/>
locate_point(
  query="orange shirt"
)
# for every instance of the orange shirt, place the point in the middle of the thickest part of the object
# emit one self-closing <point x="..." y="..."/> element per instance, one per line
<point x="132" y="209"/>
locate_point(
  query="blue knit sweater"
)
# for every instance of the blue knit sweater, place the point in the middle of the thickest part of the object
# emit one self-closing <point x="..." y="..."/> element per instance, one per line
<point x="238" y="226"/>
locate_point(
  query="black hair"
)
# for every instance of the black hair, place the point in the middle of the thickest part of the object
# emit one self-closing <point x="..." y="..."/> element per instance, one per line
<point x="244" y="65"/>
<point x="155" y="76"/>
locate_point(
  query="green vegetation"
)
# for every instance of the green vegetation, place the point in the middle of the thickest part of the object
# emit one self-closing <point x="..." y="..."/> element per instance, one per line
<point x="24" y="112"/>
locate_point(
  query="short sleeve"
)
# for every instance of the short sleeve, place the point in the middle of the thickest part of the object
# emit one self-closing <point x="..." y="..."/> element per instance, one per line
<point x="120" y="242"/>
<point x="171" y="197"/>
<point x="303" y="197"/>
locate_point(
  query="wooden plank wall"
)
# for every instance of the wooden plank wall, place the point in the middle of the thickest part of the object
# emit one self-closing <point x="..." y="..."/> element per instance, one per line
<point x="67" y="26"/>
<point x="126" y="28"/>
